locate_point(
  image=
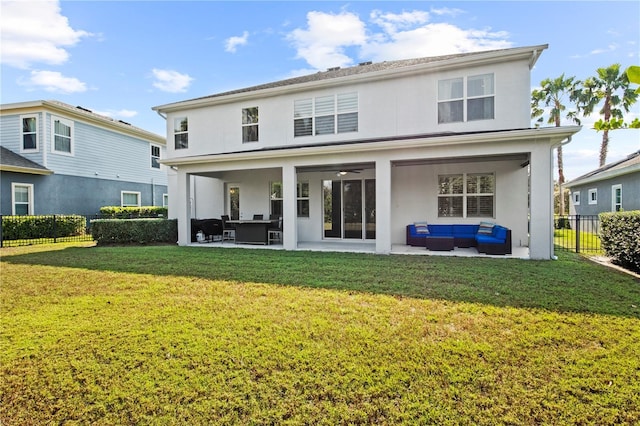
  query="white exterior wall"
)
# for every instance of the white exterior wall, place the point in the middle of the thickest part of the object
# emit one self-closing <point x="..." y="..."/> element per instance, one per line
<point x="397" y="109"/>
<point x="387" y="108"/>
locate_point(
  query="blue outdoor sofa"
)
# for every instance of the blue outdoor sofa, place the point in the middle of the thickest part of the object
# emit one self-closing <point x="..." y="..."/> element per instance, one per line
<point x="487" y="238"/>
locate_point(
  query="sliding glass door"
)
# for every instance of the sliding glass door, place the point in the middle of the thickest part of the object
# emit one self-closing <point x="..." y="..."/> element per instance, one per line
<point x="349" y="208"/>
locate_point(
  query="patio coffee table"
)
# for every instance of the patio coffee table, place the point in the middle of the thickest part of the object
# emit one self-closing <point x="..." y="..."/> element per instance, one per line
<point x="439" y="243"/>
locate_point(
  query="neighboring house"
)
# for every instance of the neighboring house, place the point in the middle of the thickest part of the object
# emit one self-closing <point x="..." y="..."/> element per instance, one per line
<point x="610" y="188"/>
<point x="355" y="154"/>
<point x="61" y="159"/>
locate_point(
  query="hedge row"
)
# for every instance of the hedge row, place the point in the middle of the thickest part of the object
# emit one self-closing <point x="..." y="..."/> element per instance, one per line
<point x="32" y="227"/>
<point x="116" y="212"/>
<point x="620" y="238"/>
<point x="134" y="231"/>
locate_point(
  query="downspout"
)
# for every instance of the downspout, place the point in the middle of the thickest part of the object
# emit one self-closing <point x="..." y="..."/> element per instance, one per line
<point x="563" y="143"/>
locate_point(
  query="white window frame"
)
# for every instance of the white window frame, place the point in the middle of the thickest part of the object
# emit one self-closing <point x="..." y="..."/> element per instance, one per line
<point x="465" y="194"/>
<point x="616" y="205"/>
<point x="165" y="200"/>
<point x="301" y="198"/>
<point x="179" y="133"/>
<point x="247" y="123"/>
<point x="30" y="202"/>
<point x="448" y="97"/>
<point x="593" y="196"/>
<point x="575" y="197"/>
<point x="36" y="133"/>
<point x="67" y="123"/>
<point x="136" y="193"/>
<point x="332" y="111"/>
<point x="155" y="157"/>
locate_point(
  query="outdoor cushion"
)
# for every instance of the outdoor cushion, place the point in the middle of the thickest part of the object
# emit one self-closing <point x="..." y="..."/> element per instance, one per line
<point x="421" y="227"/>
<point x="486" y="228"/>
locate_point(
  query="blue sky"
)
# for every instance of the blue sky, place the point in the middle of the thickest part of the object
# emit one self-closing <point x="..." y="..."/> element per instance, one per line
<point x="120" y="58"/>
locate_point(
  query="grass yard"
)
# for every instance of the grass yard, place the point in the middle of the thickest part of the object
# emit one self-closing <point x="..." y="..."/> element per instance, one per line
<point x="194" y="335"/>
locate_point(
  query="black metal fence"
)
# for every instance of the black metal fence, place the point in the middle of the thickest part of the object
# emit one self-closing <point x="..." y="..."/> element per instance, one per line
<point x="579" y="233"/>
<point x="29" y="230"/>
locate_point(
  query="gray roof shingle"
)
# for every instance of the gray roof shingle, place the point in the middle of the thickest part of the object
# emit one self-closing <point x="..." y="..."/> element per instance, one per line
<point x="9" y="158"/>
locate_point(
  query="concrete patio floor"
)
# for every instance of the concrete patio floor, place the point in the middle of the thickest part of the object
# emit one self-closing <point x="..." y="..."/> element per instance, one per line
<point x="370" y="247"/>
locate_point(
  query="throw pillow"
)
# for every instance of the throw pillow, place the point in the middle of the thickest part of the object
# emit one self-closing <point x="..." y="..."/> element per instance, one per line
<point x="486" y="228"/>
<point x="421" y="227"/>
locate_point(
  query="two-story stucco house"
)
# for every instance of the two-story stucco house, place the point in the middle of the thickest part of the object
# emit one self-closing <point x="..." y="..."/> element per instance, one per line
<point x="61" y="159"/>
<point x="610" y="188"/>
<point x="355" y="154"/>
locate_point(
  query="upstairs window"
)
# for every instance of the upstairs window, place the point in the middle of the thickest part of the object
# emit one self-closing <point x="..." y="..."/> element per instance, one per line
<point x="478" y="98"/>
<point x="326" y="115"/>
<point x="593" y="196"/>
<point x="62" y="135"/>
<point x="466" y="195"/>
<point x="181" y="133"/>
<point x="29" y="133"/>
<point x="155" y="156"/>
<point x="250" y="125"/>
<point x="303" y="117"/>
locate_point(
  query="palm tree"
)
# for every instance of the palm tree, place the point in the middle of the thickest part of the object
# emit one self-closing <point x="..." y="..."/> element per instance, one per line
<point x="551" y="94"/>
<point x="611" y="88"/>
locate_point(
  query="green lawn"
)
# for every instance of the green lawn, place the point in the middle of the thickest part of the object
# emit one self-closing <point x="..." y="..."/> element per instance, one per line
<point x="194" y="335"/>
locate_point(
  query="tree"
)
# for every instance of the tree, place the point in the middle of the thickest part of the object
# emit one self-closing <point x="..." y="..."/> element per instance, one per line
<point x="610" y="88"/>
<point x="551" y="94"/>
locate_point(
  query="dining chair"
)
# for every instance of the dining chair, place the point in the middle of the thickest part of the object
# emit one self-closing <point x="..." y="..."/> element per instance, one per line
<point x="275" y="234"/>
<point x="228" y="230"/>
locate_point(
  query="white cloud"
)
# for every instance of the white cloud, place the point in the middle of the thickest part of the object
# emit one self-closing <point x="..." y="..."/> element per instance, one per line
<point x="171" y="81"/>
<point x="392" y="22"/>
<point x="232" y="43"/>
<point x="327" y="35"/>
<point x="389" y="36"/>
<point x="35" y="32"/>
<point x="54" y="82"/>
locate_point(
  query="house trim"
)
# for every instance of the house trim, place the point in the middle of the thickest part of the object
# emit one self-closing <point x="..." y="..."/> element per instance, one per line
<point x="553" y="135"/>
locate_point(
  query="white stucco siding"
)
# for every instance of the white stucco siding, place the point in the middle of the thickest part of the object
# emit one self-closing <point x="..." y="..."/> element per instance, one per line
<point x="386" y="108"/>
<point x="415" y="196"/>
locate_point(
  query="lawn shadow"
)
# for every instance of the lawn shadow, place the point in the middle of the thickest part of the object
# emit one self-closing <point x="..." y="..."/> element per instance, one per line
<point x="570" y="284"/>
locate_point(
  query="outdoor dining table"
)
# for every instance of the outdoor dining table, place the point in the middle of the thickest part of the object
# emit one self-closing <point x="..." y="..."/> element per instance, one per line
<point x="252" y="231"/>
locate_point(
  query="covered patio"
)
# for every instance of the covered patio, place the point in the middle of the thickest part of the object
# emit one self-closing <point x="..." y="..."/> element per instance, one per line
<point x="360" y="197"/>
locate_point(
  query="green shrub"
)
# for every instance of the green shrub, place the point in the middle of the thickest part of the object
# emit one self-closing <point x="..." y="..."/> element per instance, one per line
<point x="116" y="212"/>
<point x="620" y="236"/>
<point x="562" y="223"/>
<point x="32" y="227"/>
<point x="134" y="231"/>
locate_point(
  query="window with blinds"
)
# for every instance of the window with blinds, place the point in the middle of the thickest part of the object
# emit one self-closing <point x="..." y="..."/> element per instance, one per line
<point x="326" y="115"/>
<point x="466" y="195"/>
<point x="479" y="99"/>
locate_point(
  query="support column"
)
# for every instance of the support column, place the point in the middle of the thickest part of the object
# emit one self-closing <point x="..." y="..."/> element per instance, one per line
<point x="184" y="208"/>
<point x="289" y="208"/>
<point x="383" y="206"/>
<point x="541" y="210"/>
